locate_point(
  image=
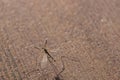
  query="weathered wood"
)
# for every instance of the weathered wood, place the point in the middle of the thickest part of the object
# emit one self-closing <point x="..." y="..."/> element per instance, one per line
<point x="88" y="30"/>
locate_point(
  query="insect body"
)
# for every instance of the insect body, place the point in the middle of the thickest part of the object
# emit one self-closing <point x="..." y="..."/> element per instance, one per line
<point x="47" y="53"/>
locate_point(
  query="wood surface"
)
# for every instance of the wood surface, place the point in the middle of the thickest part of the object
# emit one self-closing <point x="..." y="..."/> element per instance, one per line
<point x="85" y="31"/>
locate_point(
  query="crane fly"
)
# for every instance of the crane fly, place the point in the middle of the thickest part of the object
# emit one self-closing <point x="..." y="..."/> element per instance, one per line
<point x="46" y="56"/>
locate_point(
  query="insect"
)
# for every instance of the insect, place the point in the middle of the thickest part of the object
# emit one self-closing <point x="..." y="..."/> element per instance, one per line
<point x="48" y="58"/>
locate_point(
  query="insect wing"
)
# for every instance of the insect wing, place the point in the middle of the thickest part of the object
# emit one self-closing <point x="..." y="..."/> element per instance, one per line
<point x="44" y="61"/>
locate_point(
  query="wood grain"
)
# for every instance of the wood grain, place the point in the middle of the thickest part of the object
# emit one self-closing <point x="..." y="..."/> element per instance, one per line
<point x="86" y="31"/>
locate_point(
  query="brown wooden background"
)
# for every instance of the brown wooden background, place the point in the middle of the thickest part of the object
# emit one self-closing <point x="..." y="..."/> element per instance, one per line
<point x="86" y="30"/>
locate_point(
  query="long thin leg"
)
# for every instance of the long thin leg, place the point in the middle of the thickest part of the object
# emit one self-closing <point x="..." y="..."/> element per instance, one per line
<point x="63" y="65"/>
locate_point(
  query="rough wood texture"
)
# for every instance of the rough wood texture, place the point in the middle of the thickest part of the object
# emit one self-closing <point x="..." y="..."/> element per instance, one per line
<point x="87" y="31"/>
